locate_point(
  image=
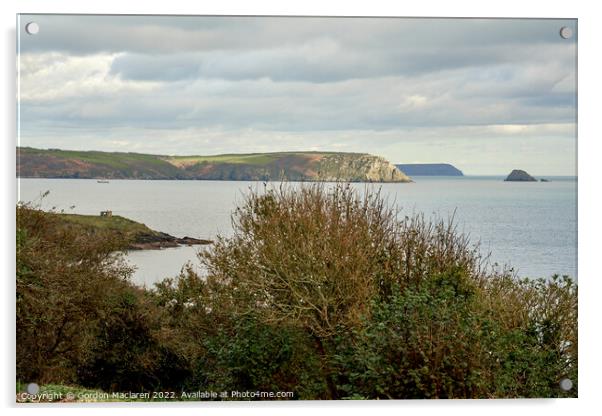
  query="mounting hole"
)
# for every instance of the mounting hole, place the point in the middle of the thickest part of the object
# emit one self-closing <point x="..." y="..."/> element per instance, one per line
<point x="32" y="28"/>
<point x="566" y="32"/>
<point x="33" y="388"/>
<point x="566" y="384"/>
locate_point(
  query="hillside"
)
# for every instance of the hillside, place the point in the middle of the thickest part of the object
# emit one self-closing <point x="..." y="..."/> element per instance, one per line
<point x="430" y="169"/>
<point x="137" y="235"/>
<point x="292" y="166"/>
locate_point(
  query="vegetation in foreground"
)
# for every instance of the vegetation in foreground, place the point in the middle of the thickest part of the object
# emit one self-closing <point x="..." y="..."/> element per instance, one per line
<point x="319" y="292"/>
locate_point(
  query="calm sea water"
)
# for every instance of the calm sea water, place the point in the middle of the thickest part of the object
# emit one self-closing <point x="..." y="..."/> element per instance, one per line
<point x="529" y="226"/>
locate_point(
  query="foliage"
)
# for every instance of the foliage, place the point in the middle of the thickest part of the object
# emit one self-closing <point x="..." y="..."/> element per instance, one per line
<point x="63" y="279"/>
<point x="320" y="290"/>
<point x="433" y="342"/>
<point x="396" y="307"/>
<point x="79" y="320"/>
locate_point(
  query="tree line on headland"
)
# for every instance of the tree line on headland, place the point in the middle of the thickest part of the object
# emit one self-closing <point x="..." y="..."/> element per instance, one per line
<point x="319" y="291"/>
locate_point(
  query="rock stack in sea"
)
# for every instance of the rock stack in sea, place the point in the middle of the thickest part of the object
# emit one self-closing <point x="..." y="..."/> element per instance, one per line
<point x="518" y="175"/>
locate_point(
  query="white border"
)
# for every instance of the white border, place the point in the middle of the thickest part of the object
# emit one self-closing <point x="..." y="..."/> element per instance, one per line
<point x="589" y="206"/>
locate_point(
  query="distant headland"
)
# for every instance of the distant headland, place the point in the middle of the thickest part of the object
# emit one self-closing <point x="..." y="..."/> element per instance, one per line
<point x="430" y="169"/>
<point x="291" y="166"/>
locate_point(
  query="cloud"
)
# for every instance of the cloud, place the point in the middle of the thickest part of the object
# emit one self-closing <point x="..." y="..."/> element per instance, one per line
<point x="85" y="34"/>
<point x="408" y="89"/>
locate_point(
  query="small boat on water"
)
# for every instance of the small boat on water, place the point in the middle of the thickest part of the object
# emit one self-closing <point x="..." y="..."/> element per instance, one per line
<point x="102" y="181"/>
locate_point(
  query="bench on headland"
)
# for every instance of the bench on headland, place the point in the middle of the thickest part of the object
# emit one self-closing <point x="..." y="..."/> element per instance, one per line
<point x="106" y="213"/>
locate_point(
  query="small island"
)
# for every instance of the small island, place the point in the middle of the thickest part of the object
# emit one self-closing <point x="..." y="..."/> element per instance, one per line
<point x="518" y="175"/>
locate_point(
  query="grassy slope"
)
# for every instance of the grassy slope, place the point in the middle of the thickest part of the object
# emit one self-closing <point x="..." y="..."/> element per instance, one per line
<point x="120" y="160"/>
<point x="116" y="223"/>
<point x="246" y="158"/>
<point x="69" y="163"/>
<point x="252" y="159"/>
<point x="304" y="165"/>
<point x="116" y="160"/>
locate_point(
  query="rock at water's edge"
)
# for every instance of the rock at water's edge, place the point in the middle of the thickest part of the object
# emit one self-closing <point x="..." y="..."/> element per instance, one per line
<point x="161" y="240"/>
<point x="518" y="175"/>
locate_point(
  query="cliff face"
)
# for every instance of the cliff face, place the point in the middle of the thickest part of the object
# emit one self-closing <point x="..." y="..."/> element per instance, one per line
<point x="291" y="166"/>
<point x="518" y="175"/>
<point x="430" y="169"/>
<point x="359" y="168"/>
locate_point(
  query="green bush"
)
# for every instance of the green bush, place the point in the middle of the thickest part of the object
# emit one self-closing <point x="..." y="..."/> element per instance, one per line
<point x="62" y="282"/>
<point x="422" y="342"/>
<point x="394" y="307"/>
<point x="79" y="319"/>
<point x="130" y="352"/>
<point x="227" y="351"/>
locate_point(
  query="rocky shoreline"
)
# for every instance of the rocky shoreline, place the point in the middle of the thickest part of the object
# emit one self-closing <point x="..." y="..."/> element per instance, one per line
<point x="161" y="240"/>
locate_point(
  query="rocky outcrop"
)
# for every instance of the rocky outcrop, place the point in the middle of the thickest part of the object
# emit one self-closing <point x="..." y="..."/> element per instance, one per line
<point x="160" y="240"/>
<point x="358" y="168"/>
<point x="518" y="175"/>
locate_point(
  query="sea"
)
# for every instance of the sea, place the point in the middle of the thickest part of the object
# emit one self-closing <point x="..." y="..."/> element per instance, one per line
<point x="529" y="227"/>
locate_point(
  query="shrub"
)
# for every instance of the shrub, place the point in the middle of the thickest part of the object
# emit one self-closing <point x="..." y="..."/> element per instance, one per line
<point x="395" y="307"/>
<point x="535" y="345"/>
<point x="131" y="352"/>
<point x="420" y="343"/>
<point x="62" y="280"/>
<point x="320" y="290"/>
<point x="227" y="351"/>
<point x="79" y="319"/>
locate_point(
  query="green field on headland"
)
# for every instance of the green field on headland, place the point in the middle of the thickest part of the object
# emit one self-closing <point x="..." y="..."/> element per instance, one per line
<point x="134" y="235"/>
<point x="114" y="223"/>
<point x="291" y="166"/>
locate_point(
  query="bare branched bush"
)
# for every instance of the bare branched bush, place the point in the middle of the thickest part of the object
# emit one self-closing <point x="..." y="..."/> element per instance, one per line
<point x="398" y="306"/>
<point x="318" y="255"/>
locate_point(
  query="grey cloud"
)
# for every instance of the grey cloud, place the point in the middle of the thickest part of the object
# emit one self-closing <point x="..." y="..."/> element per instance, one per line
<point x="84" y="34"/>
<point x="376" y="104"/>
<point x="325" y="60"/>
<point x="387" y="86"/>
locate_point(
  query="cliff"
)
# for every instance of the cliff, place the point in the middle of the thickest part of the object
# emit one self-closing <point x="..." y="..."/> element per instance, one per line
<point x="291" y="166"/>
<point x="430" y="169"/>
<point x="518" y="175"/>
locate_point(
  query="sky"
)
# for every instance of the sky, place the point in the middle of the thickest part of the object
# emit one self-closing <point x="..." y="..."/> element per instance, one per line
<point x="486" y="95"/>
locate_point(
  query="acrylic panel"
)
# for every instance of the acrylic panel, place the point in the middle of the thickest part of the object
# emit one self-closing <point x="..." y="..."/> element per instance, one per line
<point x="295" y="208"/>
